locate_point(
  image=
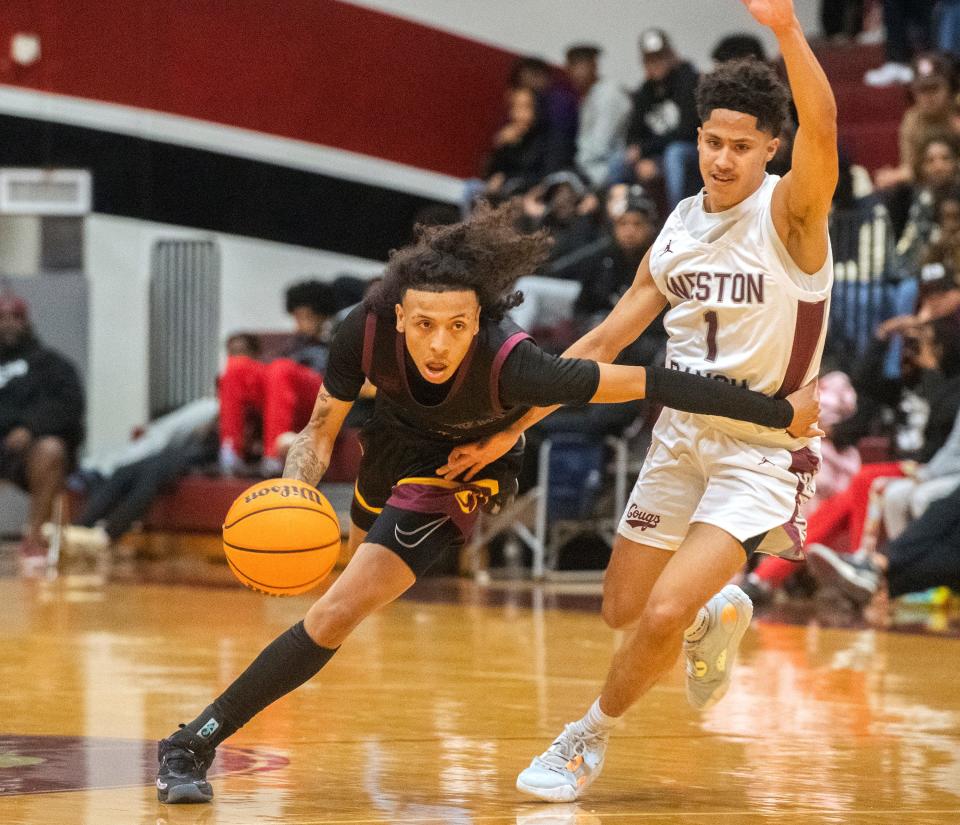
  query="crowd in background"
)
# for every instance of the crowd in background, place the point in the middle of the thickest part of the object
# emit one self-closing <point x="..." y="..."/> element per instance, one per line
<point x="599" y="167"/>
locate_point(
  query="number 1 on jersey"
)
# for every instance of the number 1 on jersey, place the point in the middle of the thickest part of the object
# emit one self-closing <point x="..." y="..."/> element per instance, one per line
<point x="713" y="323"/>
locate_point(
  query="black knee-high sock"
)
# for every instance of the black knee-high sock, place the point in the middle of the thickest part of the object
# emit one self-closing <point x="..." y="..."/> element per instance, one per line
<point x="286" y="663"/>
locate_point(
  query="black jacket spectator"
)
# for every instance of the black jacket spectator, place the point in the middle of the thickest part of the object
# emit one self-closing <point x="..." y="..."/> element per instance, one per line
<point x="605" y="276"/>
<point x="878" y="397"/>
<point x="522" y="163"/>
<point x="665" y="111"/>
<point x="40" y="390"/>
<point x="558" y="106"/>
<point x="519" y="155"/>
<point x="557" y="204"/>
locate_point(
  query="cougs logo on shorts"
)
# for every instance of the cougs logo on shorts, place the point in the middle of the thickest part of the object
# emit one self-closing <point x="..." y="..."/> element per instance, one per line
<point x="637" y="518"/>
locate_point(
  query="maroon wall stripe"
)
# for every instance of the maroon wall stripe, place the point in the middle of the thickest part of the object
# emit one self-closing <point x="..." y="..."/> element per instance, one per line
<point x="315" y="70"/>
<point x="806" y="337"/>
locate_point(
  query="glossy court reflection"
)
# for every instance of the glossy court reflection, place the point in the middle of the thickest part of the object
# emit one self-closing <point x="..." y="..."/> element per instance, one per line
<point x="432" y="708"/>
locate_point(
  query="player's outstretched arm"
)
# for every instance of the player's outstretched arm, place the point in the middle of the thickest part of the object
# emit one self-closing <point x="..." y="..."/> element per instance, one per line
<point x="802" y="200"/>
<point x="633" y="313"/>
<point x="798" y="413"/>
<point x="309" y="455"/>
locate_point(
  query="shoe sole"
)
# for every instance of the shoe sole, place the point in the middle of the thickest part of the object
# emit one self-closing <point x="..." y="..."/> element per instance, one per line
<point x="744" y="616"/>
<point x="562" y="794"/>
<point x="825" y="571"/>
<point x="183" y="794"/>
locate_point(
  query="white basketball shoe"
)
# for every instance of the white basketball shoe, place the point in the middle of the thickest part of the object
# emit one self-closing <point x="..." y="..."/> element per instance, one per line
<point x="710" y="645"/>
<point x="568" y="767"/>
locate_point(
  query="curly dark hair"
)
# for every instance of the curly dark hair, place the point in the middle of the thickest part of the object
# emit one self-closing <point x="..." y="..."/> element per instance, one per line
<point x="485" y="253"/>
<point x="317" y="296"/>
<point x="747" y="86"/>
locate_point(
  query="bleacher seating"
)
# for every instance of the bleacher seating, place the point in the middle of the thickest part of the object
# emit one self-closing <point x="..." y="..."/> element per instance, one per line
<point x="868" y="118"/>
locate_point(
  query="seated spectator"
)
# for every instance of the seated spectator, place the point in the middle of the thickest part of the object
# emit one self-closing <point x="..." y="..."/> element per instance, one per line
<point x="607" y="273"/>
<point x="925" y="253"/>
<point x="563" y="206"/>
<point x="662" y="131"/>
<point x="928" y="408"/>
<point x="559" y="109"/>
<point x="519" y="155"/>
<point x="928" y="117"/>
<point x="281" y="392"/>
<point x="120" y="487"/>
<point x="936" y="178"/>
<point x="41" y="418"/>
<point x="604" y="111"/>
<point x="605" y="269"/>
<point x="908" y="27"/>
<point x="931" y="361"/>
<point x="925" y="555"/>
<point x="864" y="256"/>
<point x="905" y="499"/>
<point x="928" y="411"/>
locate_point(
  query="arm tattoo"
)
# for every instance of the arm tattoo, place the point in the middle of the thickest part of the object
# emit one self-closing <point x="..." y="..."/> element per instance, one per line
<point x="303" y="463"/>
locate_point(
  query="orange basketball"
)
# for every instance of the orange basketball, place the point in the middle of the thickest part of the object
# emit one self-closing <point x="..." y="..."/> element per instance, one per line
<point x="281" y="537"/>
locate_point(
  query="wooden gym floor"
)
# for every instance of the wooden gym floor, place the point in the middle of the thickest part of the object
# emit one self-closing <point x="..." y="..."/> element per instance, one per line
<point x="431" y="709"/>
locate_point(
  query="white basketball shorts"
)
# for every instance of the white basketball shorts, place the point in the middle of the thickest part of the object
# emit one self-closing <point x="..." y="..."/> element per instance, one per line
<point x="695" y="472"/>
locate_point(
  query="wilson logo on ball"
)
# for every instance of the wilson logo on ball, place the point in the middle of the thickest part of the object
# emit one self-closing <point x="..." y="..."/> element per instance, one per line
<point x="281" y="537"/>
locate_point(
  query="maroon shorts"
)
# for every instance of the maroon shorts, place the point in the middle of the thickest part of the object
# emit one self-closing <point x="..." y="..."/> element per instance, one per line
<point x="404" y="505"/>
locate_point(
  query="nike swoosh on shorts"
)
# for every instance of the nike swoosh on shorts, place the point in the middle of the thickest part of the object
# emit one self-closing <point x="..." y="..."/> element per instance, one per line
<point x="430" y="528"/>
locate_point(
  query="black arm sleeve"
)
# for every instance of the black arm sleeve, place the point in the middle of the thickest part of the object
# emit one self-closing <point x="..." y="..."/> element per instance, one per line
<point x="534" y="378"/>
<point x="344" y="376"/>
<point x="696" y="394"/>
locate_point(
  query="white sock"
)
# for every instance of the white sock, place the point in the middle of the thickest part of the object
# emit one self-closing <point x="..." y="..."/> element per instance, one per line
<point x="596" y="720"/>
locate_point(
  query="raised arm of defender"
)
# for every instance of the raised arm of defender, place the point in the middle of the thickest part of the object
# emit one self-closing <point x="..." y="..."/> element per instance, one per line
<point x="801" y="202"/>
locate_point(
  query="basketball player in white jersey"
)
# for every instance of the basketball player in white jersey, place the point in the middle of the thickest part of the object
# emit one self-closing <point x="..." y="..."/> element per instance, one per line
<point x="747" y="270"/>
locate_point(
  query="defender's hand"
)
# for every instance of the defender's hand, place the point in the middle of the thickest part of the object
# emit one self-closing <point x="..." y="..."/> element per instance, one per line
<point x="777" y="14"/>
<point x="471" y="458"/>
<point x="806" y="411"/>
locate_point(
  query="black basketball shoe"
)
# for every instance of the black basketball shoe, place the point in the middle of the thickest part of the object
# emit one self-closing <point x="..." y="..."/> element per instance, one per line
<point x="182" y="776"/>
<point x="856" y="574"/>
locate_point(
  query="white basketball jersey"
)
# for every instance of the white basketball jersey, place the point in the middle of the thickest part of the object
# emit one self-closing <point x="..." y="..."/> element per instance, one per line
<point x="741" y="310"/>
